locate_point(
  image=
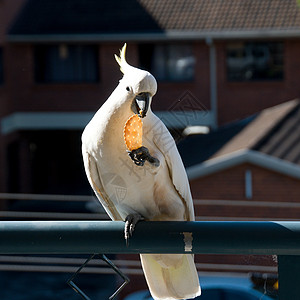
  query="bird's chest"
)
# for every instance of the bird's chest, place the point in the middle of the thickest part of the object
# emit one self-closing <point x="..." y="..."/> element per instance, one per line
<point x="135" y="189"/>
<point x="146" y="190"/>
<point x="126" y="183"/>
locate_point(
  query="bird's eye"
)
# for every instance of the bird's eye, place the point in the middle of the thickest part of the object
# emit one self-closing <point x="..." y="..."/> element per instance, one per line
<point x="127" y="88"/>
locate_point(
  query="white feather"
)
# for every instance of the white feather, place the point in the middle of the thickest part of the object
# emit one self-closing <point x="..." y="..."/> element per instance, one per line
<point x="157" y="193"/>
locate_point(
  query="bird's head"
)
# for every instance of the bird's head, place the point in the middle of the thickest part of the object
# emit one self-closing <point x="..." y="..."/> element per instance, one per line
<point x="139" y="85"/>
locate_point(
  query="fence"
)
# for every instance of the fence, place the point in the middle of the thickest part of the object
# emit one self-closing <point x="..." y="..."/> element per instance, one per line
<point x="86" y="237"/>
<point x="28" y="210"/>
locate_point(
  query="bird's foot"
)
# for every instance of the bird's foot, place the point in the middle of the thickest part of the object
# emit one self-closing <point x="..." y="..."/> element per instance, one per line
<point x="130" y="222"/>
<point x="140" y="155"/>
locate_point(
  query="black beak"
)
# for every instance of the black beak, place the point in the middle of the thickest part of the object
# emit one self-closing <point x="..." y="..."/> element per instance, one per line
<point x="142" y="102"/>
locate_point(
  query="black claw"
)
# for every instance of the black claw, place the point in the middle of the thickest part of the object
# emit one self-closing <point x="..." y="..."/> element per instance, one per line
<point x="140" y="155"/>
<point x="130" y="222"/>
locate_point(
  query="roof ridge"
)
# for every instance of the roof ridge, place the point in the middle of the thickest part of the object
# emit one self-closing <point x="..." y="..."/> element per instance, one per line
<point x="243" y="156"/>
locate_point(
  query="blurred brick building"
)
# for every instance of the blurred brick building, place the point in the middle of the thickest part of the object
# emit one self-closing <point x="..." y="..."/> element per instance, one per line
<point x="219" y="64"/>
<point x="57" y="68"/>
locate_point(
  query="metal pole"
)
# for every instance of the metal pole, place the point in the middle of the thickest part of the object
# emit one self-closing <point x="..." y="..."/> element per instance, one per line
<point x="289" y="277"/>
<point x="86" y="237"/>
<point x="213" y="80"/>
<point x="75" y="237"/>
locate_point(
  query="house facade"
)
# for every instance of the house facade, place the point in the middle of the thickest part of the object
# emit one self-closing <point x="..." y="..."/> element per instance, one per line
<point x="253" y="174"/>
<point x="215" y="61"/>
<point x="57" y="68"/>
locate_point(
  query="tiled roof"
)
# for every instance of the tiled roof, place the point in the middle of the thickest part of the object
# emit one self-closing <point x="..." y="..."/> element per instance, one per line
<point x="224" y="14"/>
<point x="274" y="131"/>
<point x="259" y="128"/>
<point x="283" y="141"/>
<point x="83" y="17"/>
<point x="145" y="16"/>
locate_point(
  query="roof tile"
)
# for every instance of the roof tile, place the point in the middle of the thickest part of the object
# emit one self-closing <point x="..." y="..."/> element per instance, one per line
<point x="94" y="16"/>
<point x="274" y="131"/>
<point x="260" y="128"/>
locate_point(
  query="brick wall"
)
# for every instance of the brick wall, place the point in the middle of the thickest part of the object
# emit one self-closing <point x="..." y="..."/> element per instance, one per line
<point x="235" y="99"/>
<point x="267" y="186"/>
<point x="27" y="95"/>
<point x="32" y="96"/>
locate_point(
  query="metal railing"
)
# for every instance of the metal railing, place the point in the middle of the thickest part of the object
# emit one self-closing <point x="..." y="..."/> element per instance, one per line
<point x="86" y="237"/>
<point x="94" y="209"/>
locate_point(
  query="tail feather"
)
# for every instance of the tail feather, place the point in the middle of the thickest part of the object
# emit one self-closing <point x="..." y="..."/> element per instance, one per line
<point x="171" y="276"/>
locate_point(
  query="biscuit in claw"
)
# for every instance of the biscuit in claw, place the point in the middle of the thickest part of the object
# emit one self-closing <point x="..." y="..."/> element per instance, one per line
<point x="133" y="133"/>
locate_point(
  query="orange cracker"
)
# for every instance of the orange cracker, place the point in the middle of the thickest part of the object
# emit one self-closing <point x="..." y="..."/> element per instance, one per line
<point x="133" y="132"/>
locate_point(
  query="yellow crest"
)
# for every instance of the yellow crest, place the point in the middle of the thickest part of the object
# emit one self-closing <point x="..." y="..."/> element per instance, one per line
<point x="122" y="59"/>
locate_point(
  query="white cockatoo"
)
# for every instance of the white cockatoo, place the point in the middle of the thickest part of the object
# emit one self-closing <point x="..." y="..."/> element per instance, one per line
<point x="148" y="183"/>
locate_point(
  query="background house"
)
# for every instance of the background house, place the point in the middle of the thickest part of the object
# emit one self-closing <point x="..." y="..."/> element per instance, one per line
<point x="58" y="67"/>
<point x="231" y="66"/>
<point x="254" y="167"/>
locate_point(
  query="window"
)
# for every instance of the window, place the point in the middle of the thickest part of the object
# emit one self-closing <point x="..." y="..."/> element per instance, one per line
<point x="66" y="63"/>
<point x="1" y="67"/>
<point x="168" y="62"/>
<point x="253" y="61"/>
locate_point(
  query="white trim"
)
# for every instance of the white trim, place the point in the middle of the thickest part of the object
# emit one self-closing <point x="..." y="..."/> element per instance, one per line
<point x="245" y="203"/>
<point x="243" y="156"/>
<point x="165" y="35"/>
<point x="78" y="120"/>
<point x="44" y="121"/>
<point x="182" y="119"/>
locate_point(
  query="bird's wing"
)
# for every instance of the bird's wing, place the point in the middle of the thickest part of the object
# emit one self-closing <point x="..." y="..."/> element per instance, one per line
<point x="166" y="144"/>
<point x="95" y="181"/>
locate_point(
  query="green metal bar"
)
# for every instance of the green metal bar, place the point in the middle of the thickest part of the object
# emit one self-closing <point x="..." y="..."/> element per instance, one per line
<point x="70" y="237"/>
<point x="86" y="237"/>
